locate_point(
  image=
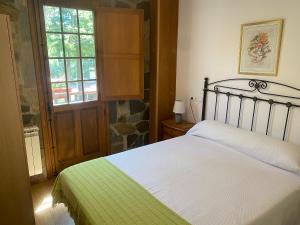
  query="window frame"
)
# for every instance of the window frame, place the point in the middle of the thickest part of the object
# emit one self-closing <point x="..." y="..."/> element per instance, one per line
<point x="69" y="104"/>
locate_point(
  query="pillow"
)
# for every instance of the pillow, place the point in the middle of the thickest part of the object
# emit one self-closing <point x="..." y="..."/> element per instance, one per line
<point x="261" y="147"/>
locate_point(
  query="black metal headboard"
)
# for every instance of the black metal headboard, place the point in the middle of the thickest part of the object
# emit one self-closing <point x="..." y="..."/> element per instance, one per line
<point x="261" y="87"/>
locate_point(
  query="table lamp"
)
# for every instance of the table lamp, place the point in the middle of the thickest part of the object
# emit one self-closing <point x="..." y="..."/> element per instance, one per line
<point x="178" y="109"/>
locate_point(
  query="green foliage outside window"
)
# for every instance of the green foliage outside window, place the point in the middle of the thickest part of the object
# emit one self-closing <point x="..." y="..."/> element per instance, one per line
<point x="71" y="54"/>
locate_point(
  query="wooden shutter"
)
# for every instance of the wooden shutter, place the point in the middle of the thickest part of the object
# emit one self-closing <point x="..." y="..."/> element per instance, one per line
<point x="120" y="41"/>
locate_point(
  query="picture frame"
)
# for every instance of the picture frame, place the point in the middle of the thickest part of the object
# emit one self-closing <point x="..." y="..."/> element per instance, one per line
<point x="260" y="47"/>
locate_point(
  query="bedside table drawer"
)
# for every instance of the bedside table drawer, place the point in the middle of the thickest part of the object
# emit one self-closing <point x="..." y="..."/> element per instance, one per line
<point x="171" y="129"/>
<point x="171" y="133"/>
<point x="166" y="136"/>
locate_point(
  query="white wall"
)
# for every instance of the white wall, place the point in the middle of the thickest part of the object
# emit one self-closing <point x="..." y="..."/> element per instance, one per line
<point x="209" y="41"/>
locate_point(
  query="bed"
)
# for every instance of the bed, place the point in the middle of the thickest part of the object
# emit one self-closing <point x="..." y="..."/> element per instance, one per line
<point x="217" y="174"/>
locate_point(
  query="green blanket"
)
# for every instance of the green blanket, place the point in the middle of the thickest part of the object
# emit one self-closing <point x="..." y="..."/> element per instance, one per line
<point x="97" y="192"/>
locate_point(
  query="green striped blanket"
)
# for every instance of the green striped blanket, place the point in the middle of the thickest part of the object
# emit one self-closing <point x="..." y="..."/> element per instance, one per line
<point x="97" y="192"/>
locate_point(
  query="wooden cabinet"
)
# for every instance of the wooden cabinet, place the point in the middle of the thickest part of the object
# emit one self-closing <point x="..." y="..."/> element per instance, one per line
<point x="171" y="129"/>
<point x="15" y="197"/>
<point x="164" y="26"/>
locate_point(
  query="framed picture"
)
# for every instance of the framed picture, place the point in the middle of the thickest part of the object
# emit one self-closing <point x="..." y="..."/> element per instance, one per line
<point x="260" y="47"/>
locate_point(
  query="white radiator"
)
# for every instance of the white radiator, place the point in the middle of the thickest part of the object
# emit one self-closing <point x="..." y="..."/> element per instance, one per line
<point x="33" y="150"/>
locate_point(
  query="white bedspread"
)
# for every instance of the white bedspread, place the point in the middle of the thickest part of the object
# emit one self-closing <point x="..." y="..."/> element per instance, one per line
<point x="209" y="184"/>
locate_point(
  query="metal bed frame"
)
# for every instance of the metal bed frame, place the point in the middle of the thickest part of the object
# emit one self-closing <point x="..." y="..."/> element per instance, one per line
<point x="255" y="86"/>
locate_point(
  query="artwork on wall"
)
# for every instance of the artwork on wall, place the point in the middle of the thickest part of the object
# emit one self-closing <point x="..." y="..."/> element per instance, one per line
<point x="260" y="47"/>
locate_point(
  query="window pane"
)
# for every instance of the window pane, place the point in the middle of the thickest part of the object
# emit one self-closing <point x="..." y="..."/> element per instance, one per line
<point x="67" y="68"/>
<point x="57" y="70"/>
<point x="54" y="45"/>
<point x="87" y="45"/>
<point x="59" y="94"/>
<point x="71" y="45"/>
<point x="88" y="69"/>
<point x="90" y="90"/>
<point x="73" y="69"/>
<point x="69" y="18"/>
<point x="52" y="19"/>
<point x="75" y="92"/>
<point x="86" y="22"/>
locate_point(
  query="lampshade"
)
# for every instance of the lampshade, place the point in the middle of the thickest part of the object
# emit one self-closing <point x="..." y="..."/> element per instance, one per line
<point x="179" y="107"/>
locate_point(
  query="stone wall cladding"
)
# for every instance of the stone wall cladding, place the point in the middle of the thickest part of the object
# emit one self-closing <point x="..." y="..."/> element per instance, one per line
<point x="17" y="9"/>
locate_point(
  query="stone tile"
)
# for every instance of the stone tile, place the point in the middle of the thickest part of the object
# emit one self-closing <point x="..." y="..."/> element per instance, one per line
<point x="25" y="108"/>
<point x="143" y="126"/>
<point x="115" y="138"/>
<point x="123" y="128"/>
<point x="146" y="115"/>
<point x="120" y="4"/>
<point x="135" y="117"/>
<point x="122" y="102"/>
<point x="122" y="119"/>
<point x="136" y="106"/>
<point x="116" y="148"/>
<point x="8" y="7"/>
<point x="131" y="139"/>
<point x="146" y="138"/>
<point x="139" y="142"/>
<point x="145" y="5"/>
<point x="125" y="4"/>
<point x="123" y="111"/>
<point x="112" y="108"/>
<point x="28" y="119"/>
<point x="30" y="97"/>
<point x="107" y="3"/>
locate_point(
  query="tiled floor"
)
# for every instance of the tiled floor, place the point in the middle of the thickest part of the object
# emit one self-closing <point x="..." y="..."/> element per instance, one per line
<point x="42" y="203"/>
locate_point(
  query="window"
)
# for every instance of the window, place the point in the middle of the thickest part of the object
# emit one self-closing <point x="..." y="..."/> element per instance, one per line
<point x="71" y="54"/>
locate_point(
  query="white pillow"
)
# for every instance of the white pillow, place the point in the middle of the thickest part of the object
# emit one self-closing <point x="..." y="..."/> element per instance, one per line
<point x="264" y="148"/>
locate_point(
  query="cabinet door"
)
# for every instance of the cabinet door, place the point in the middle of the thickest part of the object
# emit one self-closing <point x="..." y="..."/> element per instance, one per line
<point x="15" y="197"/>
<point x="120" y="40"/>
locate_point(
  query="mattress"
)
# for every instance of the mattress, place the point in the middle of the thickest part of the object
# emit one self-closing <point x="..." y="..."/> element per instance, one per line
<point x="209" y="184"/>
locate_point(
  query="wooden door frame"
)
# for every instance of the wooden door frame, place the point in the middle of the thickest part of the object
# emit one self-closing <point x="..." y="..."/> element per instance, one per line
<point x="41" y="82"/>
<point x="154" y="56"/>
<point x="163" y="72"/>
<point x="42" y="87"/>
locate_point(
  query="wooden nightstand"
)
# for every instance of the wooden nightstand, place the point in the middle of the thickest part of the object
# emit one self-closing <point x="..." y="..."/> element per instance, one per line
<point x="172" y="129"/>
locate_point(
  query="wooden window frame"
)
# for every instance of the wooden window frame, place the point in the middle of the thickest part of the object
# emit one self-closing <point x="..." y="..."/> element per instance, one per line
<point x="64" y="57"/>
